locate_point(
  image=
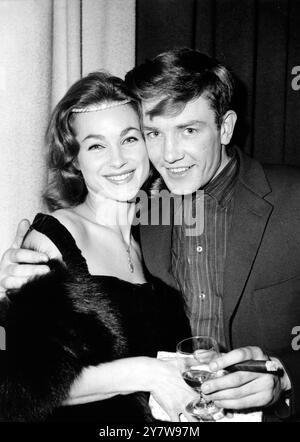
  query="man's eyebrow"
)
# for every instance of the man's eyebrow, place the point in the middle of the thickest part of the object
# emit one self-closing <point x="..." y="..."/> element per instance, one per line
<point x="191" y="123"/>
<point x="179" y="126"/>
<point x="149" y="128"/>
<point x="102" y="137"/>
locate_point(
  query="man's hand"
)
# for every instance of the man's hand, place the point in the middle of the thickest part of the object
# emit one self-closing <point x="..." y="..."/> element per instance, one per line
<point x="242" y="390"/>
<point x="17" y="265"/>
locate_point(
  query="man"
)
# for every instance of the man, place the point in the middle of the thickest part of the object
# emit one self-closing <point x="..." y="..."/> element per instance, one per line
<point x="241" y="276"/>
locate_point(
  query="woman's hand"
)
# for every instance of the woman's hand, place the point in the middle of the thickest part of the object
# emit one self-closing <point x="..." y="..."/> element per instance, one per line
<point x="17" y="265"/>
<point x="130" y="375"/>
<point x="169" y="389"/>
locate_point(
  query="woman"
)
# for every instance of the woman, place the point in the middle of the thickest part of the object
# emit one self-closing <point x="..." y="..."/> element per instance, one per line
<point x="95" y="306"/>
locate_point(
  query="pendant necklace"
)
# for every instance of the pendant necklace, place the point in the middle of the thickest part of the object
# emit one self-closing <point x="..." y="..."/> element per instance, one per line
<point x="130" y="263"/>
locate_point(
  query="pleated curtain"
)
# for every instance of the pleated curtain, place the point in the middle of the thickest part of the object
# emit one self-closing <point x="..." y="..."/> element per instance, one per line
<point x="46" y="45"/>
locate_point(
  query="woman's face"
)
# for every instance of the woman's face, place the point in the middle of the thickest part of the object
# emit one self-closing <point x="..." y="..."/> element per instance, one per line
<point x="112" y="157"/>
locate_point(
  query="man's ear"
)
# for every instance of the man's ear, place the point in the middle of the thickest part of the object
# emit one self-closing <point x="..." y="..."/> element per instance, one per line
<point x="227" y="126"/>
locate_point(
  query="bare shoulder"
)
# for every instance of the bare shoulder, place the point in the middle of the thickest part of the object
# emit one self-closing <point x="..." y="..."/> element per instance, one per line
<point x="71" y="221"/>
<point x="38" y="241"/>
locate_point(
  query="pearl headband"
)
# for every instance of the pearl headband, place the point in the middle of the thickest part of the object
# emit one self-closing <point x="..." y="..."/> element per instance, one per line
<point x="100" y="106"/>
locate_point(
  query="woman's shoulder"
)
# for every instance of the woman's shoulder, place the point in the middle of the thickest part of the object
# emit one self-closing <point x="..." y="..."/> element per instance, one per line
<point x="72" y="221"/>
<point x="67" y="217"/>
<point x="36" y="240"/>
<point x="53" y="233"/>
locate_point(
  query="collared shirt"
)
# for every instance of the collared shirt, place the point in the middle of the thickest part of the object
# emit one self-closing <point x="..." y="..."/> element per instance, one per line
<point x="198" y="260"/>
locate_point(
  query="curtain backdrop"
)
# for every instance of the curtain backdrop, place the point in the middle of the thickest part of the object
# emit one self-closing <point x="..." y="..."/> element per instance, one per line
<point x="45" y="45"/>
<point x="260" y="41"/>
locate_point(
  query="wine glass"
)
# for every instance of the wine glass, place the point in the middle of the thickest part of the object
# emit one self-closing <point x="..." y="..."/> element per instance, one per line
<point x="193" y="356"/>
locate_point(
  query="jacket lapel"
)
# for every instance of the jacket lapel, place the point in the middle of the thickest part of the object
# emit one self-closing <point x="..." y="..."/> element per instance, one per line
<point x="250" y="217"/>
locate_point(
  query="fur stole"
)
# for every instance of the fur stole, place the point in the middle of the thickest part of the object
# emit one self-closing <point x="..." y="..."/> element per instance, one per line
<point x="56" y="325"/>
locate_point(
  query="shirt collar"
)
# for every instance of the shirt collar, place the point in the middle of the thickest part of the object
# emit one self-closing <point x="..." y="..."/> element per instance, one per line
<point x="222" y="186"/>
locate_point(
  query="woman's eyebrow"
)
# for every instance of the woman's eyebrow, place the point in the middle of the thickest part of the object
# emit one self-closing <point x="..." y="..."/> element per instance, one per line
<point x="102" y="137"/>
<point x="98" y="136"/>
<point x="128" y="129"/>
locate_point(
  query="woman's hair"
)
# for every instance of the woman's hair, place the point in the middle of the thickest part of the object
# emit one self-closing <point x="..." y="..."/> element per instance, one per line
<point x="178" y="76"/>
<point x="66" y="185"/>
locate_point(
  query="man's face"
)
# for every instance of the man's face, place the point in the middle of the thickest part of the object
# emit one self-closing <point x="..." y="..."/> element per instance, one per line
<point x="186" y="148"/>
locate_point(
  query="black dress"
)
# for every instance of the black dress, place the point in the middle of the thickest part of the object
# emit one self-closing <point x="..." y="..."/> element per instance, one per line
<point x="66" y="320"/>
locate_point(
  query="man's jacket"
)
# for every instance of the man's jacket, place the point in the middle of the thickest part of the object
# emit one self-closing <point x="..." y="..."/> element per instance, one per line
<point x="261" y="298"/>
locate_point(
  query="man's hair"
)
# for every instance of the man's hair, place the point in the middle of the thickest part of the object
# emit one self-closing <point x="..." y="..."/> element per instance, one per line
<point x="66" y="186"/>
<point x="179" y="76"/>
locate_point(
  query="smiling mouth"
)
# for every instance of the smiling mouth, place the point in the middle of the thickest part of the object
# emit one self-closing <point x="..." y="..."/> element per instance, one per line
<point x="120" y="178"/>
<point x="178" y="171"/>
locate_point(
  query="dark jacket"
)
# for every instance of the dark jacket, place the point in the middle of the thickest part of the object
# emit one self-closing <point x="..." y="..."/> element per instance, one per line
<point x="262" y="270"/>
